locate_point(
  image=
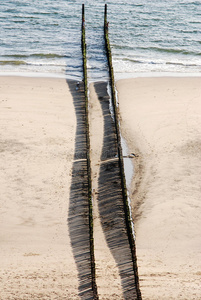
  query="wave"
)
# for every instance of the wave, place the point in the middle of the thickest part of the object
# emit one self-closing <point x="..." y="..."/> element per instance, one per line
<point x="11" y="10"/>
<point x="122" y="47"/>
<point x="12" y="62"/>
<point x="36" y="55"/>
<point x="133" y="60"/>
<point x="158" y="62"/>
<point x="32" y="63"/>
<point x="196" y="3"/>
<point x="47" y="55"/>
<point x="170" y="50"/>
<point x="181" y="64"/>
<point x="19" y="21"/>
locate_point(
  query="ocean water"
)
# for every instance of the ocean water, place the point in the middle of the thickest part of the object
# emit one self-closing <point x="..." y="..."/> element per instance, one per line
<point x="158" y="36"/>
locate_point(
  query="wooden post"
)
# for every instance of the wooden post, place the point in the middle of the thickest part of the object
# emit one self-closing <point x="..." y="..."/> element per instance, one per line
<point x="105" y="15"/>
<point x="82" y="11"/>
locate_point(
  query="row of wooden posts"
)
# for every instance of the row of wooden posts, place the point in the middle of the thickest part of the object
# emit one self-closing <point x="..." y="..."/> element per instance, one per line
<point x="120" y="156"/>
<point x="93" y="271"/>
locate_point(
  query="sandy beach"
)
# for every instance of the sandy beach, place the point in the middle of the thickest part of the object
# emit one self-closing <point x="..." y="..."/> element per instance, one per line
<point x="37" y="138"/>
<point x="161" y="121"/>
<point x="40" y="206"/>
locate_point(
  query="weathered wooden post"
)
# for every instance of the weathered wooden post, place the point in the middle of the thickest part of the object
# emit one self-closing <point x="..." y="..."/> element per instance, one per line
<point x="82" y="11"/>
<point x="105" y="18"/>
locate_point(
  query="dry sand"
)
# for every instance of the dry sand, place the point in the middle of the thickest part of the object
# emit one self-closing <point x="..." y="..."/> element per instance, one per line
<point x="37" y="137"/>
<point x="161" y="121"/>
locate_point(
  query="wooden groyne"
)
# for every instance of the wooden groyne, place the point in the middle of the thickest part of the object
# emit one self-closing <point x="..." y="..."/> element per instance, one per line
<point x="118" y="167"/>
<point x="120" y="156"/>
<point x="83" y="42"/>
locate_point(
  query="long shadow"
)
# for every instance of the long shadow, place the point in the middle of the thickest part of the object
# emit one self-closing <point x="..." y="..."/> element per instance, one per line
<point x="78" y="215"/>
<point x="110" y="199"/>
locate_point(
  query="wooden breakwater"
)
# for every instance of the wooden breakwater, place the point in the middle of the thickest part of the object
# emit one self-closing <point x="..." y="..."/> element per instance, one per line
<point x="120" y="156"/>
<point x="84" y="50"/>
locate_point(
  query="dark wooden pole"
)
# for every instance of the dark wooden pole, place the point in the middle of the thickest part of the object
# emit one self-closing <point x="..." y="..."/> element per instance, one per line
<point x="105" y="17"/>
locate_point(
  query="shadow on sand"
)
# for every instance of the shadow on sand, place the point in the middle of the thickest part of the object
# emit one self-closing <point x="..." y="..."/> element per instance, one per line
<point x="110" y="200"/>
<point x="78" y="218"/>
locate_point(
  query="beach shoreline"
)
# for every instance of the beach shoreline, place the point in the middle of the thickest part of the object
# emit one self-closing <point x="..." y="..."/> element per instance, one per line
<point x="118" y="76"/>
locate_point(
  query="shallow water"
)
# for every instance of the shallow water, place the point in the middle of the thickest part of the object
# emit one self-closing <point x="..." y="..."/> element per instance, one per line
<point x="146" y="36"/>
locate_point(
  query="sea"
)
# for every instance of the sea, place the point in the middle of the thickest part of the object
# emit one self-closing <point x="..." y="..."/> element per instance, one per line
<point x="148" y="37"/>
